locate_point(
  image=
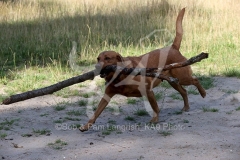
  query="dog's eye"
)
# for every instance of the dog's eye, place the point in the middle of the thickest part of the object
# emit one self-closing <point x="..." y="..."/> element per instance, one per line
<point x="107" y="58"/>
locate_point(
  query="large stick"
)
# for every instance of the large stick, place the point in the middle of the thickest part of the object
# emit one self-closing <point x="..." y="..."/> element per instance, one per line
<point x="151" y="72"/>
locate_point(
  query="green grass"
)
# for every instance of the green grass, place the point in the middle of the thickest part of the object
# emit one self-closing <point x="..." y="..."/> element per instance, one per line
<point x="238" y="108"/>
<point x="178" y="112"/>
<point x="112" y="122"/>
<point x="44" y="115"/>
<point x="131" y="101"/>
<point x="88" y="95"/>
<point x="3" y="135"/>
<point x="165" y="133"/>
<point x="106" y="132"/>
<point x="158" y="95"/>
<point x="165" y="84"/>
<point x="7" y="124"/>
<point x="67" y="92"/>
<point x="58" y="144"/>
<point x="76" y="112"/>
<point x="72" y="119"/>
<point x="205" y="109"/>
<point x="141" y="112"/>
<point x="176" y="96"/>
<point x="129" y="118"/>
<point x="206" y="81"/>
<point x="59" y="107"/>
<point x="229" y="112"/>
<point x="41" y="131"/>
<point x="232" y="73"/>
<point x="58" y="121"/>
<point x="83" y="102"/>
<point x="193" y="91"/>
<point x="36" y="38"/>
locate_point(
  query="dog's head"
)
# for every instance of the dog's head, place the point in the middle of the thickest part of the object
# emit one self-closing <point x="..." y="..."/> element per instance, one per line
<point x="108" y="58"/>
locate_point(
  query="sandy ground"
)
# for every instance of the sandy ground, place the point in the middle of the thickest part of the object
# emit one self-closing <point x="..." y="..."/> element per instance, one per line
<point x="191" y="135"/>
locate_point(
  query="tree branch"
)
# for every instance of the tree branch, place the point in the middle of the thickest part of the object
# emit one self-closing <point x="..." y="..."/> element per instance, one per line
<point x="150" y="72"/>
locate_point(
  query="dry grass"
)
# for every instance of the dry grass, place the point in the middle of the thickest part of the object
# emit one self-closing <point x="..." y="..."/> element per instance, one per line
<point x="37" y="33"/>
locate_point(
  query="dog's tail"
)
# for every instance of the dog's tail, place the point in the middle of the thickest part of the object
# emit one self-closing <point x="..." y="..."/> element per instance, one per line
<point x="179" y="30"/>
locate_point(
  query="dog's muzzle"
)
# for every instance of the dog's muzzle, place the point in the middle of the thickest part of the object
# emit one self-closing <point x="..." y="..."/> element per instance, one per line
<point x="99" y="68"/>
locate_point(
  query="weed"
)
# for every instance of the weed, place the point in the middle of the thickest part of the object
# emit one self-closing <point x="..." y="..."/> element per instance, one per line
<point x="165" y="133"/>
<point x="59" y="108"/>
<point x="72" y="119"/>
<point x="3" y="135"/>
<point x="41" y="131"/>
<point x="106" y="132"/>
<point x="8" y="122"/>
<point x="232" y="73"/>
<point x="193" y="91"/>
<point x="119" y="132"/>
<point x="207" y="82"/>
<point x="44" y="115"/>
<point x="131" y="101"/>
<point x="76" y="112"/>
<point x="88" y="95"/>
<point x="114" y="109"/>
<point x="66" y="93"/>
<point x="141" y="112"/>
<point x="158" y="95"/>
<point x="58" y="144"/>
<point x="178" y="112"/>
<point x="176" y="96"/>
<point x="58" y="121"/>
<point x="129" y="118"/>
<point x="165" y="84"/>
<point x="6" y="125"/>
<point x="83" y="102"/>
<point x="185" y="121"/>
<point x="112" y="122"/>
<point x="230" y="112"/>
<point x="209" y="109"/>
<point x="229" y="91"/>
<point x="238" y="109"/>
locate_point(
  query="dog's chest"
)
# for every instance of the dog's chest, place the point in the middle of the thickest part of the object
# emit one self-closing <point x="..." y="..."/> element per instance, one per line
<point x="130" y="86"/>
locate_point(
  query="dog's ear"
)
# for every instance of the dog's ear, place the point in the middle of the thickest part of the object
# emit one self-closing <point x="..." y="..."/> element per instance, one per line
<point x="120" y="58"/>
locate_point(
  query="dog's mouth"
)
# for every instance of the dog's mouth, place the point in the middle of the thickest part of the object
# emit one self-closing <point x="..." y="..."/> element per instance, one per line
<point x="106" y="70"/>
<point x="103" y="75"/>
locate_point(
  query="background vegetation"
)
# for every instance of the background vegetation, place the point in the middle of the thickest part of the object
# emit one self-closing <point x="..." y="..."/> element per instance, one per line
<point x="36" y="35"/>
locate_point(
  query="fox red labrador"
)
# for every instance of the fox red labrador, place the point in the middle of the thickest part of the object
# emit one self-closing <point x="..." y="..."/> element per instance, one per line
<point x="138" y="86"/>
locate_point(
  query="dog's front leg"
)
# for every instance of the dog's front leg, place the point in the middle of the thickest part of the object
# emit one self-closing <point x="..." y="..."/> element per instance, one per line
<point x="102" y="104"/>
<point x="152" y="100"/>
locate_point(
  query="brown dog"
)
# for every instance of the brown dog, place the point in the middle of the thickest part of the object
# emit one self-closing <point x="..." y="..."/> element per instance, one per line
<point x="138" y="86"/>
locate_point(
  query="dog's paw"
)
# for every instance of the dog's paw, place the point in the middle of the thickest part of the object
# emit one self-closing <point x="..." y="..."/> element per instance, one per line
<point x="83" y="128"/>
<point x="185" y="109"/>
<point x="154" y="120"/>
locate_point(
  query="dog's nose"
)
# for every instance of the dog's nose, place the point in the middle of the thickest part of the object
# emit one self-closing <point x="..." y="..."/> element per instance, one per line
<point x="98" y="66"/>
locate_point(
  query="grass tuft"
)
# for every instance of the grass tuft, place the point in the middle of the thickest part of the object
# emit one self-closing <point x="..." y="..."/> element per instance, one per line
<point x="58" y="144"/>
<point x="141" y="112"/>
<point x="209" y="109"/>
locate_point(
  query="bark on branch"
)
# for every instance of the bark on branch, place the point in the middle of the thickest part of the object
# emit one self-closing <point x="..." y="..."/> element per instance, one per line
<point x="151" y="72"/>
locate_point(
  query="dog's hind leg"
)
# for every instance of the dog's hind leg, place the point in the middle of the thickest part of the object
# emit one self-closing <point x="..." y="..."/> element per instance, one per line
<point x="196" y="83"/>
<point x="193" y="81"/>
<point x="183" y="93"/>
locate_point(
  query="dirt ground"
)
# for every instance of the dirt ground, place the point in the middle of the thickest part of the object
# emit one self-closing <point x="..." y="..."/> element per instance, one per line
<point x="35" y="130"/>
